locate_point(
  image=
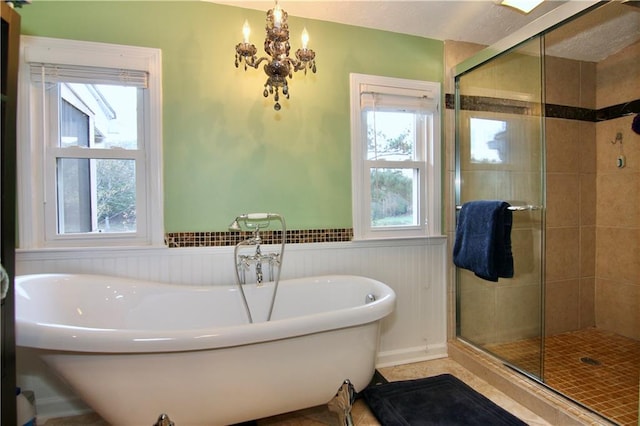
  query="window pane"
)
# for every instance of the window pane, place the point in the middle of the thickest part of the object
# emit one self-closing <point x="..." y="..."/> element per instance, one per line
<point x="98" y="116"/>
<point x="391" y="135"/>
<point x="394" y="197"/>
<point x="74" y="196"/>
<point x="96" y="195"/>
<point x="116" y="195"/>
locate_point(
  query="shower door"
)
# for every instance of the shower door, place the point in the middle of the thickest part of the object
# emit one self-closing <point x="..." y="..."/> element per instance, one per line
<point x="499" y="156"/>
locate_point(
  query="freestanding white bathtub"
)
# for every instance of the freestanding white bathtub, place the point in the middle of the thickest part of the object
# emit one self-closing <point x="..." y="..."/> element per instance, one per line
<point x="135" y="349"/>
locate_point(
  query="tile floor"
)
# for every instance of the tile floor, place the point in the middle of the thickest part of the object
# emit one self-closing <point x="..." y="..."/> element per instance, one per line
<point x="320" y="416"/>
<point x="597" y="368"/>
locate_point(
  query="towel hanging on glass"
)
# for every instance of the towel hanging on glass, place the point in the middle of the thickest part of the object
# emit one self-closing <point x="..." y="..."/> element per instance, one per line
<point x="483" y="239"/>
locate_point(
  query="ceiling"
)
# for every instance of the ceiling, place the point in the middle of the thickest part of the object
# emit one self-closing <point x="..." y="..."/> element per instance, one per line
<point x="598" y="34"/>
<point x="478" y="21"/>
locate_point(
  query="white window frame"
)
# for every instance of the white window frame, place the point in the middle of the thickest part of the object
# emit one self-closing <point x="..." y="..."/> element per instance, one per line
<point x="429" y="165"/>
<point x="37" y="225"/>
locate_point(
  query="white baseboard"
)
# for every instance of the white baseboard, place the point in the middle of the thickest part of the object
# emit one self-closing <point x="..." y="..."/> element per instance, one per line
<point x="409" y="355"/>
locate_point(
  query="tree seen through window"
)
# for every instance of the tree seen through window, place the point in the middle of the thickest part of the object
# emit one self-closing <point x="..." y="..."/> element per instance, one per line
<point x="391" y="137"/>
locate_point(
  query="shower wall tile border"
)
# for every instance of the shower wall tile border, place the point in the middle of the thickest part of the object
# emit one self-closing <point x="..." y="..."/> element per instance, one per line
<point x="570" y="112"/>
<point x="619" y="110"/>
<point x="229" y="238"/>
<point x="483" y="103"/>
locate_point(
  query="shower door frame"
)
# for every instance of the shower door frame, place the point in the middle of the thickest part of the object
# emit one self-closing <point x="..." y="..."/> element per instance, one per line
<point x="518" y="110"/>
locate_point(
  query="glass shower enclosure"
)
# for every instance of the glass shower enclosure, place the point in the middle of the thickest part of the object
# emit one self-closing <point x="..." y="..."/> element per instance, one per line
<point x="546" y="124"/>
<point x="500" y="157"/>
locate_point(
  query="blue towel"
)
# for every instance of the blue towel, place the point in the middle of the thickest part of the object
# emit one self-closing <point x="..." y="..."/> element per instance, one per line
<point x="483" y="239"/>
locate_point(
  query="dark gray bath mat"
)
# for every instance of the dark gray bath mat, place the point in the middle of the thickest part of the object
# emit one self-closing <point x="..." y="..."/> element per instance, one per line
<point x="439" y="400"/>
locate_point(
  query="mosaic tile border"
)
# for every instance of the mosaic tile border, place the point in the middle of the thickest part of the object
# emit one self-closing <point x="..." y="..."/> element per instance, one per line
<point x="617" y="111"/>
<point x="570" y="113"/>
<point x="482" y="103"/>
<point x="228" y="238"/>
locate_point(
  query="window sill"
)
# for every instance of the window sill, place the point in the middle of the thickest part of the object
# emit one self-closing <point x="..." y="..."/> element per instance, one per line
<point x="431" y="239"/>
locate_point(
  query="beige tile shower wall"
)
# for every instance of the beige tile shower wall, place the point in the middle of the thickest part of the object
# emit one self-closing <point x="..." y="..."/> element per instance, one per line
<point x="570" y="192"/>
<point x="569" y="82"/>
<point x="456" y="52"/>
<point x="617" y="282"/>
<point x="617" y="77"/>
<point x="513" y="76"/>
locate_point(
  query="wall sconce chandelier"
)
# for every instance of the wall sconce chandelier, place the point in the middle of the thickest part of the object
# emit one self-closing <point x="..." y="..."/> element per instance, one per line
<point x="279" y="65"/>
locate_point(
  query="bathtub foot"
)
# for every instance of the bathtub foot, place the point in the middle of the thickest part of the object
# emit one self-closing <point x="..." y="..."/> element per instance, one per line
<point x="163" y="420"/>
<point x="343" y="401"/>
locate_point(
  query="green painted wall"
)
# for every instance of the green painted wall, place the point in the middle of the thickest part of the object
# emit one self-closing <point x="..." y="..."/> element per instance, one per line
<point x="226" y="151"/>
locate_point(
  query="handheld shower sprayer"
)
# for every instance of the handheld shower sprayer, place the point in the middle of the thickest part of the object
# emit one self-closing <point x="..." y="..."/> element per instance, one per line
<point x="254" y="221"/>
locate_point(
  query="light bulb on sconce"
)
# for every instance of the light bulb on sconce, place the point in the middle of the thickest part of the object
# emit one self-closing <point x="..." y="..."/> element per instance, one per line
<point x="279" y="65"/>
<point x="246" y="31"/>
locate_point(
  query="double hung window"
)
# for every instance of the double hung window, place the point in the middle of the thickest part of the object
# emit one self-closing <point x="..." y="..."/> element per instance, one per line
<point x="395" y="157"/>
<point x="90" y="157"/>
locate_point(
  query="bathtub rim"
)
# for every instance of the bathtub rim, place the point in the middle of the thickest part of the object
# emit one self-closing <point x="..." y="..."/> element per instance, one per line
<point x="69" y="338"/>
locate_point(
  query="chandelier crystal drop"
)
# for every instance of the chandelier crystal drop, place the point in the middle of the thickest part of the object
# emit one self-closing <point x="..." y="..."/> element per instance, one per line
<point x="279" y="66"/>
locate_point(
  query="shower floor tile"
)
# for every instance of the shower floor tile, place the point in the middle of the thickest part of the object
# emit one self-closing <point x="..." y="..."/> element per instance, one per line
<point x="596" y="368"/>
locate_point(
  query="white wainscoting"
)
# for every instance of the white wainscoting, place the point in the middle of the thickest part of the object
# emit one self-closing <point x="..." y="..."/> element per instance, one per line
<point x="414" y="268"/>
